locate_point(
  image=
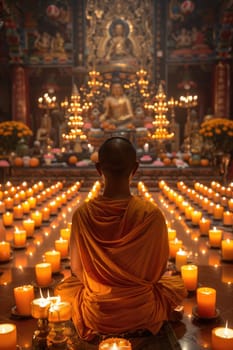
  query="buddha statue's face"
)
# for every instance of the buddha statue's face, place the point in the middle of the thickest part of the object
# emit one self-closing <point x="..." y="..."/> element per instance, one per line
<point x="119" y="30"/>
<point x="117" y="90"/>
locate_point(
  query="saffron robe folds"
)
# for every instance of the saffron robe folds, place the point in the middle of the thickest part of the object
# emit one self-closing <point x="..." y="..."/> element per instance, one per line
<point x="119" y="253"/>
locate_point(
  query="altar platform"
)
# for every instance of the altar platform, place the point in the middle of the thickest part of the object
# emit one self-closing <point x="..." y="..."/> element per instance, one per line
<point x="147" y="173"/>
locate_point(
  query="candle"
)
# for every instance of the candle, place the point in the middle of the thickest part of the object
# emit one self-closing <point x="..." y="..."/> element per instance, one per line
<point x="206" y="302"/>
<point x="189" y="275"/>
<point x="65" y="233"/>
<point x="227" y="218"/>
<point x="59" y="312"/>
<point x="54" y="258"/>
<point x="7" y="219"/>
<point x="227" y="249"/>
<point x="222" y="338"/>
<point x="62" y="245"/>
<point x="19" y="238"/>
<point x="115" y="344"/>
<point x="188" y="212"/>
<point x="45" y="214"/>
<point x="53" y="208"/>
<point x="181" y="259"/>
<point x="23" y="297"/>
<point x="8" y="336"/>
<point x="40" y="307"/>
<point x="32" y="202"/>
<point x="37" y="217"/>
<point x="215" y="238"/>
<point x="43" y="274"/>
<point x="18" y="212"/>
<point x="218" y="212"/>
<point x="17" y="199"/>
<point x="204" y="225"/>
<point x="4" y="251"/>
<point x="29" y="227"/>
<point x="9" y="202"/>
<point x="230" y="204"/>
<point x="2" y="207"/>
<point x="174" y="246"/>
<point x="26" y="207"/>
<point x="196" y="217"/>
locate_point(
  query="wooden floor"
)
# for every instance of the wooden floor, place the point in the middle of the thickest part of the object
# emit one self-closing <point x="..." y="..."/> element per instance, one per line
<point x="193" y="333"/>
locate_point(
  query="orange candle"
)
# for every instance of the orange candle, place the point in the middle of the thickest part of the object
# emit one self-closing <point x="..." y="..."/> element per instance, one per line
<point x="43" y="274"/>
<point x="2" y="207"/>
<point x="40" y="307"/>
<point x="62" y="246"/>
<point x="53" y="208"/>
<point x="54" y="258"/>
<point x="189" y="275"/>
<point x="19" y="238"/>
<point x="204" y="225"/>
<point x="222" y="338"/>
<point x="230" y="204"/>
<point x="215" y="238"/>
<point x="29" y="227"/>
<point x="65" y="233"/>
<point x="37" y="217"/>
<point x="9" y="202"/>
<point x="5" y="251"/>
<point x="218" y="212"/>
<point x="206" y="302"/>
<point x="227" y="218"/>
<point x="196" y="217"/>
<point x="8" y="336"/>
<point x="18" y="212"/>
<point x="7" y="219"/>
<point x="26" y="207"/>
<point x="227" y="249"/>
<point x="60" y="312"/>
<point x="23" y="297"/>
<point x="32" y="202"/>
<point x="115" y="344"/>
<point x="181" y="259"/>
<point x="188" y="212"/>
<point x="45" y="214"/>
<point x="174" y="246"/>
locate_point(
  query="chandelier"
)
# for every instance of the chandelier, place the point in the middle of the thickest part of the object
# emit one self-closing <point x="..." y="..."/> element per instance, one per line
<point x="74" y="117"/>
<point x="161" y="123"/>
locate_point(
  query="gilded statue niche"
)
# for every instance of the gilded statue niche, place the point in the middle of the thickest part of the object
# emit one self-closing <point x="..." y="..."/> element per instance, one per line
<point x="119" y="35"/>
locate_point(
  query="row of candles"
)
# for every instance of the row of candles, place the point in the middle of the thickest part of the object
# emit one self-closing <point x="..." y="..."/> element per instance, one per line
<point x="197" y="219"/>
<point x="50" y="308"/>
<point x="222" y="337"/>
<point x="36" y="219"/>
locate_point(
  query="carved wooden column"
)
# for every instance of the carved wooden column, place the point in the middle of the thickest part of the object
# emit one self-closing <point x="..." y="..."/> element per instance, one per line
<point x="222" y="90"/>
<point x="20" y="100"/>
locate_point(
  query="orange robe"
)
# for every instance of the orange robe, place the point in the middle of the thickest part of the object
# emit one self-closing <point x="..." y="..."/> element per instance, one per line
<point x="119" y="252"/>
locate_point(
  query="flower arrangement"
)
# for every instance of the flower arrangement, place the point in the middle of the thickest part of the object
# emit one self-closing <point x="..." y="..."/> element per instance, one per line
<point x="220" y="132"/>
<point x="11" y="132"/>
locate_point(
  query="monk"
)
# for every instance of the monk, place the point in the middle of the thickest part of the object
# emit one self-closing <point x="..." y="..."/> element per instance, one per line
<point x="119" y="252"/>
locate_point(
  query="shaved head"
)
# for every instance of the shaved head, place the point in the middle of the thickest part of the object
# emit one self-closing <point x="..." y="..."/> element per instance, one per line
<point x="117" y="156"/>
